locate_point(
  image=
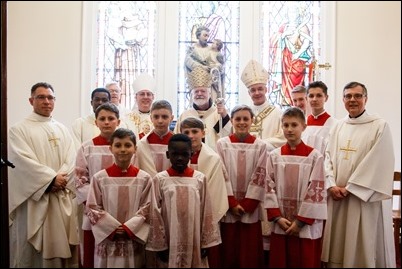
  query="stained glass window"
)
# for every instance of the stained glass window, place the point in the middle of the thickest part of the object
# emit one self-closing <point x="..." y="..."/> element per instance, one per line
<point x="126" y="44"/>
<point x="222" y="18"/>
<point x="290" y="46"/>
<point x="289" y="35"/>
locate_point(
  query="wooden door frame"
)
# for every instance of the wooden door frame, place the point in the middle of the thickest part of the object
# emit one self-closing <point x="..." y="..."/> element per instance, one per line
<point x="4" y="232"/>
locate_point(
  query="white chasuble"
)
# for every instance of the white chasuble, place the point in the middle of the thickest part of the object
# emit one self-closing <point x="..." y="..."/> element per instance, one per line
<point x="40" y="147"/>
<point x="358" y="232"/>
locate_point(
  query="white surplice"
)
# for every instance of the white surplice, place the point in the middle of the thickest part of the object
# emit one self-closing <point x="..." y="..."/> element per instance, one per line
<point x="151" y="157"/>
<point x="267" y="126"/>
<point x="90" y="159"/>
<point x="296" y="187"/>
<point x="43" y="226"/>
<point x="210" y="164"/>
<point x="181" y="219"/>
<point x="246" y="171"/>
<point x="358" y="231"/>
<point x="317" y="136"/>
<point x="114" y="201"/>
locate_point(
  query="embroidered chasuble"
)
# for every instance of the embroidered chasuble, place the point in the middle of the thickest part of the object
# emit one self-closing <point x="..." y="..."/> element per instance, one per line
<point x="267" y="125"/>
<point x="137" y="120"/>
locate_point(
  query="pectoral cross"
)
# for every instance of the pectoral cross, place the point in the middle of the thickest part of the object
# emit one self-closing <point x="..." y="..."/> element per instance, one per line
<point x="347" y="150"/>
<point x="53" y="139"/>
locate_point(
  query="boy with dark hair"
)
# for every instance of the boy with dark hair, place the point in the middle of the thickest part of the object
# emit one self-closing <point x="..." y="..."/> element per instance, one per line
<point x="182" y="224"/>
<point x="244" y="158"/>
<point x="151" y="149"/>
<point x="207" y="161"/>
<point x="118" y="206"/>
<point x="296" y="198"/>
<point x="92" y="156"/>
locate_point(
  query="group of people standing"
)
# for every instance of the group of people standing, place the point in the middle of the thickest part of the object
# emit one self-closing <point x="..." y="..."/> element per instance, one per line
<point x="250" y="187"/>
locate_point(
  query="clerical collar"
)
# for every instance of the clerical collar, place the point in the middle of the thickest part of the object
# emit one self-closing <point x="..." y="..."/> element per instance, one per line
<point x="40" y="117"/>
<point x="357" y="115"/>
<point x="317" y="116"/>
<point x="140" y="112"/>
<point x="198" y="108"/>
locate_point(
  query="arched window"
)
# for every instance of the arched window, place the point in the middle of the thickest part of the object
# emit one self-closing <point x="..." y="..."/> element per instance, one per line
<point x="291" y="45"/>
<point x="153" y="37"/>
<point x="126" y="43"/>
<point x="222" y="18"/>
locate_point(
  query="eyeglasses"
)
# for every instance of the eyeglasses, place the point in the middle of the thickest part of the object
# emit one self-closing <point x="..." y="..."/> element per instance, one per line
<point x="51" y="98"/>
<point x="357" y="96"/>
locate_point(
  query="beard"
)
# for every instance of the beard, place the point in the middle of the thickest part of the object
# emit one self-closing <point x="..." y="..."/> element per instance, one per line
<point x="200" y="102"/>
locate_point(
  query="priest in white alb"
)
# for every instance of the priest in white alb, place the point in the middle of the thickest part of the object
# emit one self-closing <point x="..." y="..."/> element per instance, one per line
<point x="43" y="215"/>
<point x="359" y="166"/>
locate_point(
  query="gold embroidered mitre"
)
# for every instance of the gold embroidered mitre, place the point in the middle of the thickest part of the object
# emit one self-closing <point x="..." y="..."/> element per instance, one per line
<point x="199" y="77"/>
<point x="254" y="73"/>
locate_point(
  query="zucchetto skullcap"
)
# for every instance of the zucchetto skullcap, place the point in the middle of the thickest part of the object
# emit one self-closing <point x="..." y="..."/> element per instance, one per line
<point x="199" y="77"/>
<point x="144" y="82"/>
<point x="254" y="73"/>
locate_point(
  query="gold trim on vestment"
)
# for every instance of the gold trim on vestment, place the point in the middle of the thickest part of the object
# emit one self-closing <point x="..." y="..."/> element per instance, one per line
<point x="134" y="117"/>
<point x="256" y="127"/>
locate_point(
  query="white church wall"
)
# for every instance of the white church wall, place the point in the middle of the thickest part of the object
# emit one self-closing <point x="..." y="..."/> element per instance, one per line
<point x="368" y="50"/>
<point x="45" y="44"/>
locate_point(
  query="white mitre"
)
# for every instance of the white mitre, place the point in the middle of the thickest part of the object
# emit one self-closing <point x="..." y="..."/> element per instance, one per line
<point x="144" y="82"/>
<point x="254" y="73"/>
